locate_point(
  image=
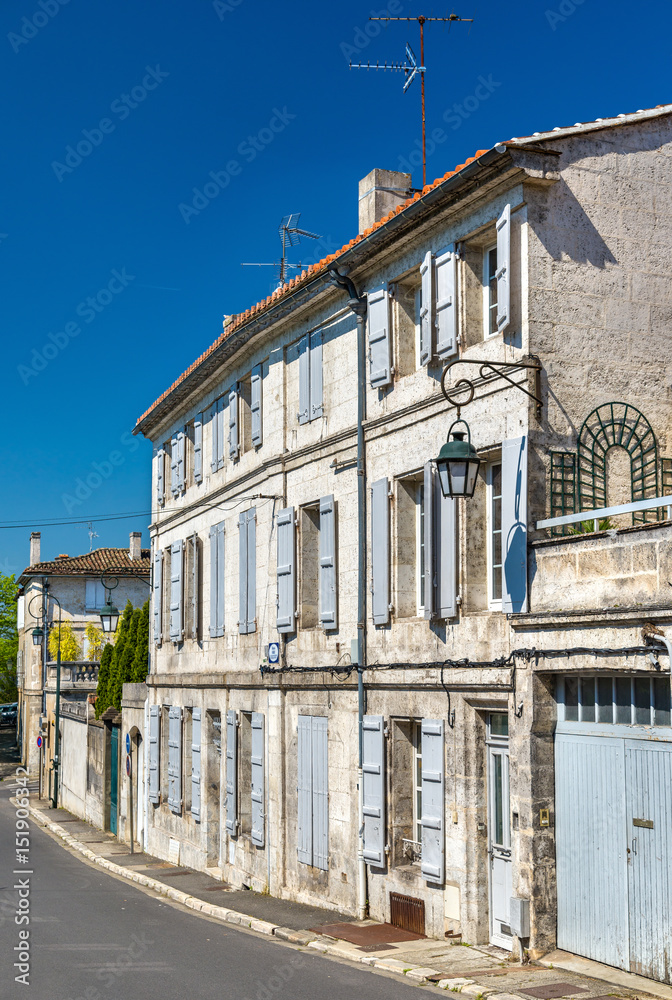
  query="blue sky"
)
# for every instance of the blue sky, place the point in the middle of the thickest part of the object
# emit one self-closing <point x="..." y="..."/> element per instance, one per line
<point x="112" y="284"/>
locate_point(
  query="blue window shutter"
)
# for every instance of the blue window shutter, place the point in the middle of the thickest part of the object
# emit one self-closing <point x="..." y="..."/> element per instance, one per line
<point x="328" y="581"/>
<point x="380" y="360"/>
<point x="198" y="448"/>
<point x="373" y="788"/>
<point x="160" y="486"/>
<point x="503" y="273"/>
<point x="214" y="434"/>
<point x="234" y="447"/>
<point x="304" y="381"/>
<point x="195" y="547"/>
<point x="304" y="783"/>
<point x="231" y="773"/>
<point x="320" y="794"/>
<point x="154" y="726"/>
<point x="445" y="279"/>
<point x="174" y="462"/>
<point x="256" y="385"/>
<point x="176" y="609"/>
<point x="445" y="553"/>
<point x="514" y="525"/>
<point x="196" y="764"/>
<point x="380" y="552"/>
<point x="242" y="572"/>
<point x="180" y="477"/>
<point x="433" y="836"/>
<point x="175" y="759"/>
<point x="221" y="413"/>
<point x="257" y="779"/>
<point x="427" y="309"/>
<point x="252" y="570"/>
<point x="315" y="365"/>
<point x="430" y="578"/>
<point x="157" y="592"/>
<point x="285" y="570"/>
<point x="217" y="580"/>
<point x="220" y="579"/>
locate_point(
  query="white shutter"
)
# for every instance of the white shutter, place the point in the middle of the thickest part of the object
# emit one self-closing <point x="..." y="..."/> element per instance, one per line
<point x="247" y="564"/>
<point x="198" y="448"/>
<point x="380" y="360"/>
<point x="327" y="569"/>
<point x="445" y="277"/>
<point x="427" y="309"/>
<point x="440" y="583"/>
<point x="304" y="381"/>
<point x="432" y="864"/>
<point x="320" y="796"/>
<point x="503" y="273"/>
<point x="196" y="764"/>
<point x="221" y="413"/>
<point x="180" y="476"/>
<point x="257" y="779"/>
<point x="304" y="783"/>
<point x="157" y="594"/>
<point x="315" y="366"/>
<point x="217" y="580"/>
<point x="231" y="773"/>
<point x="514" y="525"/>
<point x="160" y="487"/>
<point x="154" y="732"/>
<point x="175" y="759"/>
<point x="195" y="588"/>
<point x="256" y="384"/>
<point x="174" y="488"/>
<point x="176" y="591"/>
<point x="214" y="436"/>
<point x="373" y="788"/>
<point x="21" y="612"/>
<point x="285" y="570"/>
<point x="234" y="446"/>
<point x="380" y="552"/>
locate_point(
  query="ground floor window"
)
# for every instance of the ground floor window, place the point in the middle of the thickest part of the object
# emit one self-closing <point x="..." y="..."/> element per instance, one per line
<point x="636" y="700"/>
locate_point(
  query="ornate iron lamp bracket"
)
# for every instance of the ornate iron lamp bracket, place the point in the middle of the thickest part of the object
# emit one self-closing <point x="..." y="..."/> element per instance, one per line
<point x="495" y="368"/>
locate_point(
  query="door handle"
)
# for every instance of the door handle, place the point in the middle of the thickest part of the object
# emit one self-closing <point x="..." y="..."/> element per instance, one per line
<point x="634" y="845"/>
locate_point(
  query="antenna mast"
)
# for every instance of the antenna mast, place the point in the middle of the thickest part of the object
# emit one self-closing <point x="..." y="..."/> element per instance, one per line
<point x="412" y="67"/>
<point x="290" y="236"/>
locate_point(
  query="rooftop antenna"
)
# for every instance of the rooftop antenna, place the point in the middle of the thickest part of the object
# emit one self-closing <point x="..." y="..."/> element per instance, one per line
<point x="92" y="533"/>
<point x="290" y="236"/>
<point x="411" y="68"/>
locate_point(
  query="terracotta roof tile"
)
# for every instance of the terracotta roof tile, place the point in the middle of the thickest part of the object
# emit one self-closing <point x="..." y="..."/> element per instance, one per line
<point x="93" y="564"/>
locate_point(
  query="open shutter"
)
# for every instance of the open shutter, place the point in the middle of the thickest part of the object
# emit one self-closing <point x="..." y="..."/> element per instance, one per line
<point x="432" y="865"/>
<point x="196" y="764"/>
<point x="445" y="554"/>
<point x="285" y="570"/>
<point x="154" y="725"/>
<point x="503" y="273"/>
<point x="257" y="779"/>
<point x="176" y="602"/>
<point x="242" y="572"/>
<point x="514" y="525"/>
<point x="380" y="552"/>
<point x="231" y="773"/>
<point x="234" y="447"/>
<point x="217" y="580"/>
<point x="214" y="435"/>
<point x="304" y="783"/>
<point x="427" y="309"/>
<point x="304" y="381"/>
<point x="175" y="759"/>
<point x="255" y="405"/>
<point x="380" y="359"/>
<point x="180" y="477"/>
<point x="430" y="538"/>
<point x="328" y="583"/>
<point x="160" y="487"/>
<point x="373" y="788"/>
<point x="315" y="364"/>
<point x="445" y="277"/>
<point x="247" y="571"/>
<point x="320" y="794"/>
<point x="157" y="592"/>
<point x="174" y="463"/>
<point x="195" y="588"/>
<point x="198" y="448"/>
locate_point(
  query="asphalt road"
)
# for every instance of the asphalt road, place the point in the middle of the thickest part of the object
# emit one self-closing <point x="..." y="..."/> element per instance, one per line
<point x="95" y="937"/>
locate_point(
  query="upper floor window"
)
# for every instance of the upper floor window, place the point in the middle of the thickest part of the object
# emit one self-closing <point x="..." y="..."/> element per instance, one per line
<point x="406" y="296"/>
<point x="311" y="400"/>
<point x="494" y="500"/>
<point x="95" y="595"/>
<point x="490" y="291"/>
<point x="410" y="539"/>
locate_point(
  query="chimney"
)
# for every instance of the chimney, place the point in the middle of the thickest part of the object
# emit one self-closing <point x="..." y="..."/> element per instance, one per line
<point x="34" y="548"/>
<point x="134" y="550"/>
<point x="380" y="192"/>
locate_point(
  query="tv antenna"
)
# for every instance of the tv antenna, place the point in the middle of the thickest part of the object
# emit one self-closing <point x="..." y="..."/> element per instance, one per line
<point x="92" y="533"/>
<point x="290" y="236"/>
<point x="411" y="68"/>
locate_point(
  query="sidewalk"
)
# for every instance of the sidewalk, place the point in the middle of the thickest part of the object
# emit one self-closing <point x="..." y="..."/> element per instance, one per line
<point x="477" y="971"/>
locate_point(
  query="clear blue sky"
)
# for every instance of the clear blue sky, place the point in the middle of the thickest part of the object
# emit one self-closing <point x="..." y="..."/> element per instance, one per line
<point x="180" y="87"/>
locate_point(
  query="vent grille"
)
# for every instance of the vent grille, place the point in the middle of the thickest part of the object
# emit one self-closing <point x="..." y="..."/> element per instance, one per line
<point x="407" y="913"/>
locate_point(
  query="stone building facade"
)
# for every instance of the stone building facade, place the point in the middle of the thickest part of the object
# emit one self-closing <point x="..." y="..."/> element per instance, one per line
<point x="477" y="634"/>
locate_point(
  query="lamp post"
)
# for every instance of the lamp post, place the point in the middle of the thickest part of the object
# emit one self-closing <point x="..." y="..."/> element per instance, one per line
<point x="38" y="633"/>
<point x="109" y="613"/>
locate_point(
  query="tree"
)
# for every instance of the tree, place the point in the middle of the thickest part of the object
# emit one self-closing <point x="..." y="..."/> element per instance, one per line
<point x="70" y="648"/>
<point x="103" y="699"/>
<point x="140" y="660"/>
<point x="119" y="647"/>
<point x="124" y="671"/>
<point x="96" y="641"/>
<point x="9" y="638"/>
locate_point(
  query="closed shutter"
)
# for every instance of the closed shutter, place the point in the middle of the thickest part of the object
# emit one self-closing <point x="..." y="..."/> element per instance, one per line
<point x="373" y="788"/>
<point x="304" y="783"/>
<point x="217" y="580"/>
<point x="195" y="585"/>
<point x="154" y="727"/>
<point x="157" y="593"/>
<point x="214" y="436"/>
<point x="432" y="866"/>
<point x="174" y="488"/>
<point x="315" y="365"/>
<point x="304" y="381"/>
<point x="180" y="475"/>
<point x="445" y="276"/>
<point x="231" y="773"/>
<point x="328" y="582"/>
<point x="380" y="360"/>
<point x="247" y="571"/>
<point x="196" y="764"/>
<point x="234" y="447"/>
<point x="380" y="552"/>
<point x="514" y="525"/>
<point x="503" y="273"/>
<point x="176" y="592"/>
<point x="256" y="384"/>
<point x="175" y="759"/>
<point x="257" y="779"/>
<point x="427" y="309"/>
<point x="320" y="794"/>
<point x="285" y="571"/>
<point x="198" y="448"/>
<point x="160" y="487"/>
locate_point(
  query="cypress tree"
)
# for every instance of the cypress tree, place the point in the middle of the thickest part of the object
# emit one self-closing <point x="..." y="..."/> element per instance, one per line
<point x="126" y="657"/>
<point x="139" y="672"/>
<point x="119" y="646"/>
<point x="103" y="700"/>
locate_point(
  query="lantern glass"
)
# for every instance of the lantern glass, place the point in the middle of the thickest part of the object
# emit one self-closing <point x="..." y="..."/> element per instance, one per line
<point x="458" y="465"/>
<point x="37" y="635"/>
<point x="109" y="618"/>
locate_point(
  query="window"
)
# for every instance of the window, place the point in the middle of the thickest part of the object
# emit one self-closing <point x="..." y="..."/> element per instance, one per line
<point x="310" y="377"/>
<point x="95" y="595"/>
<point x="192" y="588"/>
<point x="318" y="573"/>
<point x="410" y="513"/>
<point x="217" y="535"/>
<point x="217" y="437"/>
<point x="621" y="700"/>
<point x="490" y="291"/>
<point x="247" y="571"/>
<point x="245" y="774"/>
<point x="406" y="305"/>
<point x="494" y="500"/>
<point x="250" y="410"/>
<point x="309" y="527"/>
<point x="417" y="782"/>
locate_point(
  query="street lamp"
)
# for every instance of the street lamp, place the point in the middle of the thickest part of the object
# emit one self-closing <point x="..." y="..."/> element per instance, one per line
<point x="458" y="464"/>
<point x="38" y="636"/>
<point x="109" y="616"/>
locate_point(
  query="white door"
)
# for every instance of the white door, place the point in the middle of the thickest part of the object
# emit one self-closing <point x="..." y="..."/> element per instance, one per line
<point x="499" y="829"/>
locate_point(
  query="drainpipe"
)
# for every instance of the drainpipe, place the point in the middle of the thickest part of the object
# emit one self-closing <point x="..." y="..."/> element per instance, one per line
<point x="358" y="304"/>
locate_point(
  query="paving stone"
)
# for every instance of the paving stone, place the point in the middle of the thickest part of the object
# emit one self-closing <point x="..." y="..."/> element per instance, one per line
<point x="420" y="973"/>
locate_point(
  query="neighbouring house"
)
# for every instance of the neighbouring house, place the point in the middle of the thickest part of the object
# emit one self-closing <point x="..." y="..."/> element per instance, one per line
<point x="501" y="658"/>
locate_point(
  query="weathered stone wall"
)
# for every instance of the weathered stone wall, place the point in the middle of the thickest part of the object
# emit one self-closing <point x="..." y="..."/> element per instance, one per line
<point x="73" y="769"/>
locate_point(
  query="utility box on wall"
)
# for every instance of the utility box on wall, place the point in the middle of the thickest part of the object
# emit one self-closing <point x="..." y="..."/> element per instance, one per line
<point x="520" y="917"/>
